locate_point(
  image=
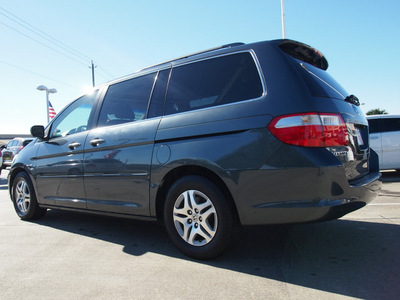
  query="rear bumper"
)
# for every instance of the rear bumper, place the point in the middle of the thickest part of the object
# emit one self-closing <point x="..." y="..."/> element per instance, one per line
<point x="313" y="195"/>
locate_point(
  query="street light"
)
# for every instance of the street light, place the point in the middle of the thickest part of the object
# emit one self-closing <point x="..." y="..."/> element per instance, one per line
<point x="48" y="91"/>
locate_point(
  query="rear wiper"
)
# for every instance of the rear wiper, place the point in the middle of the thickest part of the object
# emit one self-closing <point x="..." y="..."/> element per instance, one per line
<point x="353" y="100"/>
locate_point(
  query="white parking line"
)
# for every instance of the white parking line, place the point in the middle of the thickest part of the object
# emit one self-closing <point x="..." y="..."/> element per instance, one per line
<point x="377" y="204"/>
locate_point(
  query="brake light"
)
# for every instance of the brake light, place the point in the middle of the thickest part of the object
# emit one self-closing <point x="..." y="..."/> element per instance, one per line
<point x="20" y="148"/>
<point x="311" y="130"/>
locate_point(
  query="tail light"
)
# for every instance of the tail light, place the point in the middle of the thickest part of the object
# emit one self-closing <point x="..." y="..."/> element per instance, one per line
<point x="311" y="130"/>
<point x="20" y="148"/>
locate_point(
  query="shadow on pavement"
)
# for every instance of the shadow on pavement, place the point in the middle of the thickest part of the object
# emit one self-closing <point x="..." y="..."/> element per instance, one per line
<point x="3" y="183"/>
<point x="351" y="258"/>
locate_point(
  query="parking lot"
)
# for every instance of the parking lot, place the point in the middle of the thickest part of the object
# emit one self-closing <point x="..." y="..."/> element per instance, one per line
<point x="76" y="256"/>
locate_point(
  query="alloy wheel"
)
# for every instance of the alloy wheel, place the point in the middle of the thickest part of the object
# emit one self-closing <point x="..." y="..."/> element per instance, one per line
<point x="195" y="218"/>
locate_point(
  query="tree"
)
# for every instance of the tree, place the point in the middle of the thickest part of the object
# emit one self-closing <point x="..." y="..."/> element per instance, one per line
<point x="377" y="111"/>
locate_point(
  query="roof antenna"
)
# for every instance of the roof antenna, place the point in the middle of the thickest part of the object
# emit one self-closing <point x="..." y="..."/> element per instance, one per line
<point x="283" y="19"/>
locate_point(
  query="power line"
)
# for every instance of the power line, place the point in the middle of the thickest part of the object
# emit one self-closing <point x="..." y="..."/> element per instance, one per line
<point x="37" y="74"/>
<point x="16" y="30"/>
<point x="45" y="35"/>
<point x="51" y="40"/>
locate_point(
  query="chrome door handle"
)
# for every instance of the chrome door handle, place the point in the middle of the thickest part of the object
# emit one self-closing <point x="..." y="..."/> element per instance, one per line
<point x="96" y="142"/>
<point x="73" y="146"/>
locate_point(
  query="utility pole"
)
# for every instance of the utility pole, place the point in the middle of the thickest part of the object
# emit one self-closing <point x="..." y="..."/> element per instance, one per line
<point x="283" y="19"/>
<point x="92" y="67"/>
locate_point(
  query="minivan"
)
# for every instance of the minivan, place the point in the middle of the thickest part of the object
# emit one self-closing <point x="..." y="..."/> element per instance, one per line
<point x="242" y="134"/>
<point x="384" y="134"/>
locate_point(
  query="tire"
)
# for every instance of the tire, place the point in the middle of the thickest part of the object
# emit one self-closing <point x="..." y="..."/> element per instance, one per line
<point x="198" y="218"/>
<point x="24" y="198"/>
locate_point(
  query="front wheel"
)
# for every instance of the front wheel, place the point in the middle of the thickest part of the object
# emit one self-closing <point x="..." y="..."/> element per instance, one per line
<point x="24" y="198"/>
<point x="198" y="217"/>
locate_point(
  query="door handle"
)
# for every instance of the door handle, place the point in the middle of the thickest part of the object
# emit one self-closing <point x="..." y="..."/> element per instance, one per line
<point x="73" y="146"/>
<point x="373" y="137"/>
<point x="95" y="142"/>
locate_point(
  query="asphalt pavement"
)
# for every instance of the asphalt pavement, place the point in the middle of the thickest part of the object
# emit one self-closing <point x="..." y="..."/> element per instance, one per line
<point x="68" y="255"/>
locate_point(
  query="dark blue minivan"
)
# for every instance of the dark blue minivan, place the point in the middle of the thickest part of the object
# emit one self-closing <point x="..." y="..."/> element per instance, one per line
<point x="240" y="134"/>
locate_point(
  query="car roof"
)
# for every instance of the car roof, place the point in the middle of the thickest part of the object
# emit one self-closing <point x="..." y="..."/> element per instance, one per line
<point x="383" y="116"/>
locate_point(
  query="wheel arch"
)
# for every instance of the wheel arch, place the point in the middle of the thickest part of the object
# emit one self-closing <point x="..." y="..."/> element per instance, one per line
<point x="182" y="171"/>
<point x="13" y="173"/>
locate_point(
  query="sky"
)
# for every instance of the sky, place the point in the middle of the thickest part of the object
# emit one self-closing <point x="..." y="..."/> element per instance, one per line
<point x="360" y="39"/>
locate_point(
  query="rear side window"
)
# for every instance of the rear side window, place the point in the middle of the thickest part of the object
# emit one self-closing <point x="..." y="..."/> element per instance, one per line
<point x="373" y="125"/>
<point x="212" y="82"/>
<point x="26" y="142"/>
<point x="384" y="125"/>
<point x="126" y="101"/>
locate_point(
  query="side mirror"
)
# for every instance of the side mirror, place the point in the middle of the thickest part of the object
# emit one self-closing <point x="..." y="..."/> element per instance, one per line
<point x="38" y="131"/>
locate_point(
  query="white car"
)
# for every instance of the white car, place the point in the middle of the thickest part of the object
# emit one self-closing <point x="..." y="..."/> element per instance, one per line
<point x="1" y="161"/>
<point x="384" y="136"/>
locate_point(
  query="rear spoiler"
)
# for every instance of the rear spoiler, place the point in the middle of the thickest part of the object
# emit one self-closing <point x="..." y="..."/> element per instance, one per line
<point x="304" y="53"/>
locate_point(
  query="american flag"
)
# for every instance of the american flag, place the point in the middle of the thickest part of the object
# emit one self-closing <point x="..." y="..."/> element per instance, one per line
<point x="52" y="112"/>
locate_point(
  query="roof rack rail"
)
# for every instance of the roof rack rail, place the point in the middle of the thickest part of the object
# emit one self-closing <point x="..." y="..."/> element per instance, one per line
<point x="196" y="53"/>
<point x="209" y="50"/>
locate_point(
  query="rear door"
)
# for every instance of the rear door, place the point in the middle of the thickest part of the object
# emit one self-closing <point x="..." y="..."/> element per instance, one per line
<point x="118" y="153"/>
<point x="375" y="137"/>
<point x="390" y="143"/>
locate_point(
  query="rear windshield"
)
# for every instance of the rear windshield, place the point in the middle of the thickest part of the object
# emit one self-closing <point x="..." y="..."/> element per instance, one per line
<point x="320" y="83"/>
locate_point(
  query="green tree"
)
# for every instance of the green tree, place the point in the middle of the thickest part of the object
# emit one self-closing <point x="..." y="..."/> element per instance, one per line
<point x="377" y="111"/>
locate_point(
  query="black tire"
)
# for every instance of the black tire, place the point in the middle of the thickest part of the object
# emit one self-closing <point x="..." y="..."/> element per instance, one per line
<point x="198" y="218"/>
<point x="24" y="198"/>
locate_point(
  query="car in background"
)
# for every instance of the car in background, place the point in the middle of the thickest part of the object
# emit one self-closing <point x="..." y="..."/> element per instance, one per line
<point x="1" y="161"/>
<point x="384" y="136"/>
<point x="12" y="149"/>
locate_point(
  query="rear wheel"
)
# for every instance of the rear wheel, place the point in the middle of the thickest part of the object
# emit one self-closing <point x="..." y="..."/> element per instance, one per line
<point x="24" y="198"/>
<point x="198" y="217"/>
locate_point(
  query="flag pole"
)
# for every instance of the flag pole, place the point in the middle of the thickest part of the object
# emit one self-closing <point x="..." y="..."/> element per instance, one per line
<point x="283" y="19"/>
<point x="47" y="102"/>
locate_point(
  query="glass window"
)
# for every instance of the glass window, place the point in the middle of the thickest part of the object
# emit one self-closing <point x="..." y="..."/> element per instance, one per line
<point x="127" y="101"/>
<point x="212" y="82"/>
<point x="392" y="124"/>
<point x="75" y="118"/>
<point x="373" y="125"/>
<point x="384" y="125"/>
<point x="157" y="99"/>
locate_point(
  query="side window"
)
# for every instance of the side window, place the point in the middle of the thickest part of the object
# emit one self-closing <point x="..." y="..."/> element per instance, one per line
<point x="392" y="124"/>
<point x="222" y="80"/>
<point x="75" y="118"/>
<point x="157" y="99"/>
<point x="126" y="101"/>
<point x="373" y="125"/>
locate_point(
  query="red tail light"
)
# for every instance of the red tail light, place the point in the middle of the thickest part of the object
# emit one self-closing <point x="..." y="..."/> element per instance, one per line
<point x="311" y="130"/>
<point x="20" y="148"/>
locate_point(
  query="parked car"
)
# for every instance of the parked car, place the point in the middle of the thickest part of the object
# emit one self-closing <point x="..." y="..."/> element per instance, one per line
<point x="1" y="161"/>
<point x="384" y="134"/>
<point x="241" y="134"/>
<point x="12" y="149"/>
